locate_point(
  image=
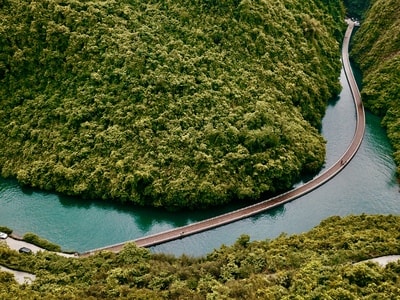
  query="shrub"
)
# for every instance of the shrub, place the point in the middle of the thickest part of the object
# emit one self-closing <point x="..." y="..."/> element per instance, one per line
<point x="5" y="230"/>
<point x="36" y="240"/>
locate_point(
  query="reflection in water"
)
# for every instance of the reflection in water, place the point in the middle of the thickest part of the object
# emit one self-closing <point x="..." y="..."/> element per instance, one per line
<point x="145" y="217"/>
<point x="26" y="190"/>
<point x="332" y="102"/>
<point x="69" y="221"/>
<point x="273" y="213"/>
<point x="67" y="202"/>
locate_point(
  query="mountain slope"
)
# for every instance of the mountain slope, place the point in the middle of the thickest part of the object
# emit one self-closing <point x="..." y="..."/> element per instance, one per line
<point x="165" y="103"/>
<point x="377" y="51"/>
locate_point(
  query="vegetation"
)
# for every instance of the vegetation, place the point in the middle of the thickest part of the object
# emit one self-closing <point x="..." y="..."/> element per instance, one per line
<point x="166" y="103"/>
<point x="357" y="8"/>
<point x="5" y="229"/>
<point x="40" y="242"/>
<point x="377" y="51"/>
<point x="319" y="264"/>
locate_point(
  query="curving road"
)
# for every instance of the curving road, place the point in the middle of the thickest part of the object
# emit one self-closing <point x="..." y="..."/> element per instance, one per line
<point x="246" y="212"/>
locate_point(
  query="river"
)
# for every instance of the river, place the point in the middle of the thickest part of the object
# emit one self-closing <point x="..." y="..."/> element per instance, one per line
<point x="366" y="185"/>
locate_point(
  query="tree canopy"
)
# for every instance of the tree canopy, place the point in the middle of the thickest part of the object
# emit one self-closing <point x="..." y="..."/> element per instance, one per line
<point x="377" y="51"/>
<point x="165" y="103"/>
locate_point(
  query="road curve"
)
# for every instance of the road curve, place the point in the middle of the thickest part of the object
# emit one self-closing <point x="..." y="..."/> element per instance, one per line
<point x="248" y="211"/>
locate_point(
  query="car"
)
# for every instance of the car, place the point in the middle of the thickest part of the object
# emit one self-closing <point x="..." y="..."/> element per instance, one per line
<point x="3" y="235"/>
<point x="25" y="250"/>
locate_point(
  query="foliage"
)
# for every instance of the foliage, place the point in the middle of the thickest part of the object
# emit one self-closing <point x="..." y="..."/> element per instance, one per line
<point x="165" y="103"/>
<point x="5" y="230"/>
<point x="357" y="8"/>
<point x="377" y="51"/>
<point x="319" y="264"/>
<point x="40" y="242"/>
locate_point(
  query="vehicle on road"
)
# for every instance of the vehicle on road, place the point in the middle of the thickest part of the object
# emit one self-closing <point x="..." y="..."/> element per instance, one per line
<point x="3" y="235"/>
<point x="25" y="250"/>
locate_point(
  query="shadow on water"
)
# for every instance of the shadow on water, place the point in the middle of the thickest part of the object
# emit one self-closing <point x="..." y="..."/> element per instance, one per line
<point x="81" y="203"/>
<point x="145" y="217"/>
<point x="357" y="74"/>
<point x="27" y="191"/>
<point x="271" y="213"/>
<point x="333" y="101"/>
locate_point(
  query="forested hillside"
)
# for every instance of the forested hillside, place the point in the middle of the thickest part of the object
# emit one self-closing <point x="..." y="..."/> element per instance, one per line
<point x="165" y="103"/>
<point x="319" y="264"/>
<point x="356" y="8"/>
<point x="377" y="51"/>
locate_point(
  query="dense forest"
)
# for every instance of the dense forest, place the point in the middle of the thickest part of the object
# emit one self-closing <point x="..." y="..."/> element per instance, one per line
<point x="166" y="103"/>
<point x="357" y="8"/>
<point x="319" y="264"/>
<point x="377" y="52"/>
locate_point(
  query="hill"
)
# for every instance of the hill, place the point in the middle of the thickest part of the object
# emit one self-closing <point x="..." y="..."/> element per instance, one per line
<point x="357" y="8"/>
<point x="319" y="264"/>
<point x="166" y="103"/>
<point x="377" y="51"/>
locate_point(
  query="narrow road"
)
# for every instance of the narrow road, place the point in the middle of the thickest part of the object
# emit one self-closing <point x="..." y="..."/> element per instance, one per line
<point x="246" y="212"/>
<point x="382" y="260"/>
<point x="17" y="243"/>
